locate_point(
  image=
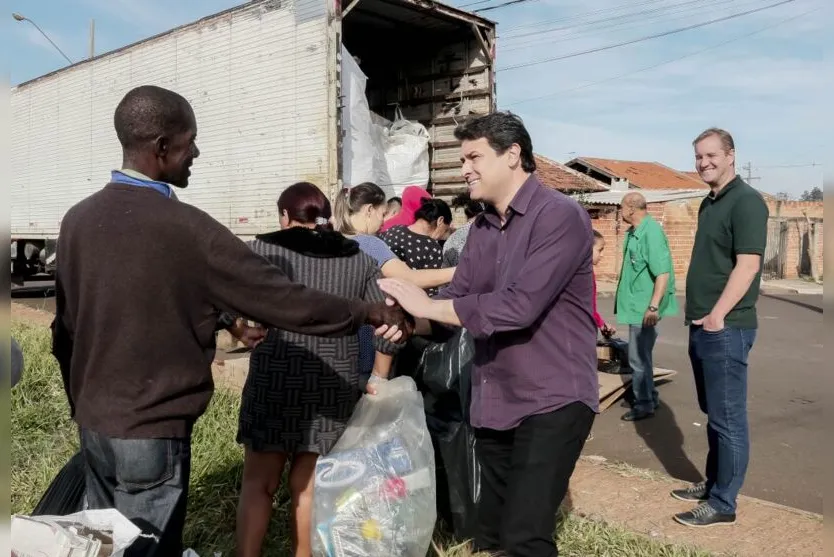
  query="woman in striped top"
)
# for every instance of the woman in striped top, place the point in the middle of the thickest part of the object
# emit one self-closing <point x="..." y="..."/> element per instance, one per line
<point x="301" y="389"/>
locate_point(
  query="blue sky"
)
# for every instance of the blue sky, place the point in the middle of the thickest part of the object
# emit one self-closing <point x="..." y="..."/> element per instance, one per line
<point x="769" y="86"/>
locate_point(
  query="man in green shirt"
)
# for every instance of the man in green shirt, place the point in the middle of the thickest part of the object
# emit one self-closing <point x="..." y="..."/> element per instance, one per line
<point x="722" y="287"/>
<point x="645" y="294"/>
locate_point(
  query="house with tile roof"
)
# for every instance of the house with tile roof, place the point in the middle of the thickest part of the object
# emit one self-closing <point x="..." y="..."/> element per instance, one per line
<point x="565" y="179"/>
<point x="623" y="175"/>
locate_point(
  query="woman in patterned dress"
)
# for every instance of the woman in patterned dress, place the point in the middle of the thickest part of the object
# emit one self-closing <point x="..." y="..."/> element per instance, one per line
<point x="301" y="389"/>
<point x="418" y="245"/>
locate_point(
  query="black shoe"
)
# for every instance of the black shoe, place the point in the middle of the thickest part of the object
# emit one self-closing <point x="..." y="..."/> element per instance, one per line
<point x="626" y="403"/>
<point x="703" y="516"/>
<point x="634" y="415"/>
<point x="696" y="493"/>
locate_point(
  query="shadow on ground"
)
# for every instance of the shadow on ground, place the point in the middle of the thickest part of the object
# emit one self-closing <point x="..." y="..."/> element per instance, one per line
<point x="664" y="438"/>
<point x="799" y="303"/>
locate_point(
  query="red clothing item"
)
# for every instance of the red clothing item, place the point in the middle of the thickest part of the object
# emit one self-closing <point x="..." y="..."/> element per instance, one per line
<point x="597" y="317"/>
<point x="412" y="199"/>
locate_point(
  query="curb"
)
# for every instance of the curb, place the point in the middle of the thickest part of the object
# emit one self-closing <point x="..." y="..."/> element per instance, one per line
<point x="637" y="499"/>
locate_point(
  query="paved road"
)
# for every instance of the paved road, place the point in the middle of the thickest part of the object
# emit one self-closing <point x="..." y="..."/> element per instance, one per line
<point x="785" y="407"/>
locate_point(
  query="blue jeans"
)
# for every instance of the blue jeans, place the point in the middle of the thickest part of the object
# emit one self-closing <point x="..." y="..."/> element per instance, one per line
<point x="719" y="362"/>
<point x="144" y="479"/>
<point x="640" y="346"/>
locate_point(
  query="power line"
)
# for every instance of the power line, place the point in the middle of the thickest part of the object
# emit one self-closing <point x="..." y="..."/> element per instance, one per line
<point x="615" y="18"/>
<point x="789" y="165"/>
<point x="646" y="38"/>
<point x="479" y="2"/>
<point x="653" y="66"/>
<point x="584" y="15"/>
<point x="503" y="5"/>
<point x="622" y="24"/>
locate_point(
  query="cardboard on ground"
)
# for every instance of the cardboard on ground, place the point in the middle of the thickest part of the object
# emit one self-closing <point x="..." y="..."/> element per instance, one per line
<point x="613" y="386"/>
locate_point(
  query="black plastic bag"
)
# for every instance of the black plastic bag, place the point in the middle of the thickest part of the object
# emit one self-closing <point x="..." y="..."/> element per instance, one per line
<point x="446" y="378"/>
<point x="65" y="495"/>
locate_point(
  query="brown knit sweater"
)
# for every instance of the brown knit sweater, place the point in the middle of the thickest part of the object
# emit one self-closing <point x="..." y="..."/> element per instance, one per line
<point x="141" y="281"/>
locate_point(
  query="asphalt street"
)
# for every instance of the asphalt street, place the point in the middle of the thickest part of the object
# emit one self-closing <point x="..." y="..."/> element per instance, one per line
<point x="785" y="405"/>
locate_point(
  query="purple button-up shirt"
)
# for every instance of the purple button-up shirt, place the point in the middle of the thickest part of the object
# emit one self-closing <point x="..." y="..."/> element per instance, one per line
<point x="524" y="291"/>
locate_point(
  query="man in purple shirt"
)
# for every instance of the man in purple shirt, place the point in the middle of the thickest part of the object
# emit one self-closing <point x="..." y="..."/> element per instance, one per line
<point x="523" y="289"/>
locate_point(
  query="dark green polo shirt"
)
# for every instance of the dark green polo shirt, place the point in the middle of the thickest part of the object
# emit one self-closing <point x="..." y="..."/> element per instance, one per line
<point x="731" y="223"/>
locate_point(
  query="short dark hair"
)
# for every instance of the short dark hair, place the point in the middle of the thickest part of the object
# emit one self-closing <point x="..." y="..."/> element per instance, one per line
<point x="432" y="209"/>
<point x="147" y="112"/>
<point x="395" y="200"/>
<point x="305" y="203"/>
<point x="501" y="130"/>
<point x="471" y="208"/>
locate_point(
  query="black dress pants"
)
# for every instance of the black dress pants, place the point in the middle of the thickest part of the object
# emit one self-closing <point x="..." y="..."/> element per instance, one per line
<point x="524" y="477"/>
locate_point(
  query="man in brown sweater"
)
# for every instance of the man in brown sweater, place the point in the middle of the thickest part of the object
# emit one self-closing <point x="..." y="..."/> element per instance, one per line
<point x="142" y="280"/>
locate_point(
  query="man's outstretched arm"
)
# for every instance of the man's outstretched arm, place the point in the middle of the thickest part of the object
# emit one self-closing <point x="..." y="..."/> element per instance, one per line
<point x="557" y="247"/>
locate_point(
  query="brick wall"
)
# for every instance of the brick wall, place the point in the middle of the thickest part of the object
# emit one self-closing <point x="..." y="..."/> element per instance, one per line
<point x="679" y="220"/>
<point x="799" y="254"/>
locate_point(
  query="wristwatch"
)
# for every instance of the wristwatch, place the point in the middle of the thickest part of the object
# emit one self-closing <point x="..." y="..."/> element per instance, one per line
<point x="652" y="308"/>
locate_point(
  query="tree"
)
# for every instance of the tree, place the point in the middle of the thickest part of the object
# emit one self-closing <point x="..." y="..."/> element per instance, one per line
<point x="783" y="196"/>
<point x="814" y="194"/>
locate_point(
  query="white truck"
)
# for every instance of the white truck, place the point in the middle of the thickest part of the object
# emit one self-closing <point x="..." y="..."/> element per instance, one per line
<point x="265" y="82"/>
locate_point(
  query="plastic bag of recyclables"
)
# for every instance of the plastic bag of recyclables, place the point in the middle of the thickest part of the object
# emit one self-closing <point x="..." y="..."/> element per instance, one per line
<point x="375" y="491"/>
<point x="88" y="533"/>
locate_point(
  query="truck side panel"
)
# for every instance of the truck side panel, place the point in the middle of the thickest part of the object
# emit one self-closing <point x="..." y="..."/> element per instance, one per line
<point x="258" y="81"/>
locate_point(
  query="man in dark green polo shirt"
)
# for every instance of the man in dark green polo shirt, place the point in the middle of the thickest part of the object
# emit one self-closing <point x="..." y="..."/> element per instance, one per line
<point x="645" y="294"/>
<point x="722" y="287"/>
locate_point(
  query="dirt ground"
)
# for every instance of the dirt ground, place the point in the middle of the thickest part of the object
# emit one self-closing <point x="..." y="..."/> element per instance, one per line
<point x="27" y="314"/>
<point x="639" y="500"/>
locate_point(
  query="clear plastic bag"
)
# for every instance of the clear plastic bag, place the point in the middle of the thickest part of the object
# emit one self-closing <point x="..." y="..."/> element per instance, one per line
<point x="375" y="492"/>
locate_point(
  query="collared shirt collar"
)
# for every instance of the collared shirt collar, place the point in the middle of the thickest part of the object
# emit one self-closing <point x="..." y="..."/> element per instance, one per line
<point x="730" y="185"/>
<point x="520" y="203"/>
<point x="637" y="231"/>
<point x="133" y="177"/>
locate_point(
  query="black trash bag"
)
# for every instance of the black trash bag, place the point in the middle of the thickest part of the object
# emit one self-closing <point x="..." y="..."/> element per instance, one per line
<point x="65" y="495"/>
<point x="446" y="377"/>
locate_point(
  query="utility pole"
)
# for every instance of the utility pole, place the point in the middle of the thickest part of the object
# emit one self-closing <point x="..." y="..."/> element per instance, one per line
<point x="749" y="168"/>
<point x="92" y="38"/>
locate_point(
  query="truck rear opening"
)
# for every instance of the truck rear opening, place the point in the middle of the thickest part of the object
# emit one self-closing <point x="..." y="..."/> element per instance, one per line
<point x="431" y="60"/>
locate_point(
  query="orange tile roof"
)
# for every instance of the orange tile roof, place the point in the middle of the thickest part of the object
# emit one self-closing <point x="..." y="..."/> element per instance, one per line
<point x="646" y="175"/>
<point x="567" y="180"/>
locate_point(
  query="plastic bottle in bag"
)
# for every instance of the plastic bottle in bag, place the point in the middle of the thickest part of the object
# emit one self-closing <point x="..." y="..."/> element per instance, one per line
<point x="375" y="492"/>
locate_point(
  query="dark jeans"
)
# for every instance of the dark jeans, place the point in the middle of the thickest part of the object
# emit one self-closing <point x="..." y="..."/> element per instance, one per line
<point x="719" y="361"/>
<point x="640" y="347"/>
<point x="144" y="479"/>
<point x="524" y="477"/>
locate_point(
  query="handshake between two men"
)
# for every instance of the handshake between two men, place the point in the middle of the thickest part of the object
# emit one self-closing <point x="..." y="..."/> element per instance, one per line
<point x="388" y="318"/>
